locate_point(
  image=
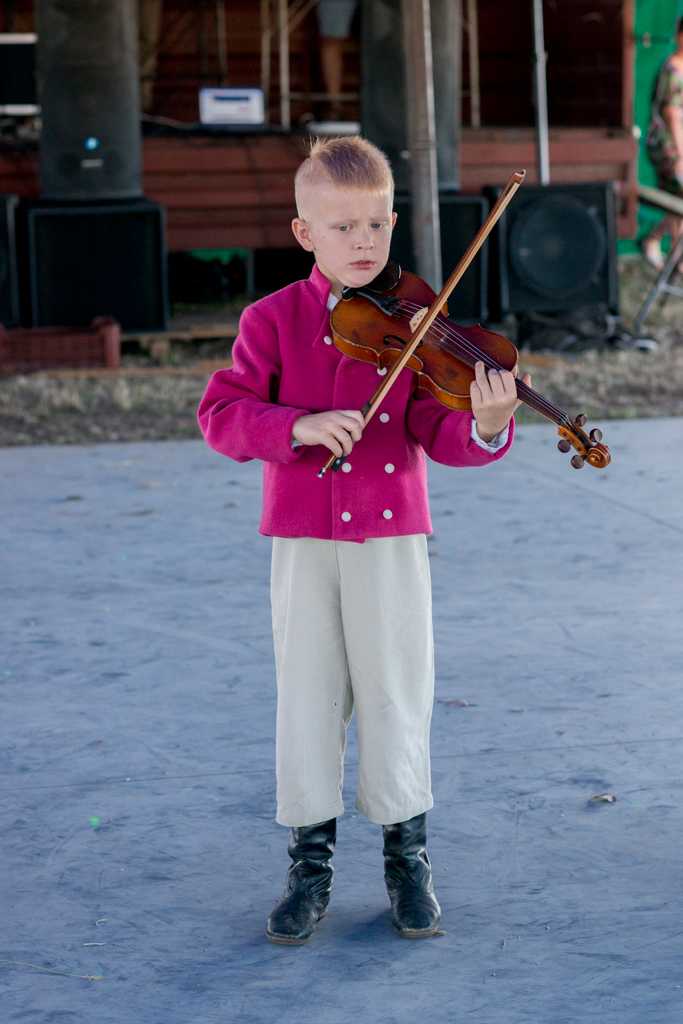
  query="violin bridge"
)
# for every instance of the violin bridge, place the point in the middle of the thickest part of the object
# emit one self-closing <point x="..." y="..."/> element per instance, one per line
<point x="418" y="318"/>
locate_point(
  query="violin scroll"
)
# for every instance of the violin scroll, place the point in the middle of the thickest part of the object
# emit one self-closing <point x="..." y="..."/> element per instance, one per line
<point x="588" y="447"/>
<point x="599" y="456"/>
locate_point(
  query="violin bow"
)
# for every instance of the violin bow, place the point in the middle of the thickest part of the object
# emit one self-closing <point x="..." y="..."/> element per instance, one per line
<point x="424" y="318"/>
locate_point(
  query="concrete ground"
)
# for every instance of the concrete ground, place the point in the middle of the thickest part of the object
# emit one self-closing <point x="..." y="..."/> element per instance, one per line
<point x="139" y="846"/>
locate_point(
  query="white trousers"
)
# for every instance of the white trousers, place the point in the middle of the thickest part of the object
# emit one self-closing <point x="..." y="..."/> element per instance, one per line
<point x="352" y="624"/>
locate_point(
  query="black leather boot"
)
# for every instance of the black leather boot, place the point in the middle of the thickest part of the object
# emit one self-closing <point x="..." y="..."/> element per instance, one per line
<point x="307" y="889"/>
<point x="415" y="914"/>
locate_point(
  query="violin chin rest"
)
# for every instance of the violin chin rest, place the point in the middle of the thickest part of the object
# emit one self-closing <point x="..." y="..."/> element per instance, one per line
<point x="386" y="279"/>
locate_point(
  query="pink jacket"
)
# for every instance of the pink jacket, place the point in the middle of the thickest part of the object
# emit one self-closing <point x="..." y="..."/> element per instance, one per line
<point x="285" y="366"/>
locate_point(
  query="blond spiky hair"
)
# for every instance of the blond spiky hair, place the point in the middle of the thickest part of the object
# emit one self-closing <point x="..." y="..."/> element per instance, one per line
<point x="349" y="162"/>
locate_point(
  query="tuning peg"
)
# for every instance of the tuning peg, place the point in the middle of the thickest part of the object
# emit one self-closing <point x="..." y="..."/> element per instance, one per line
<point x="581" y="419"/>
<point x="596" y="435"/>
<point x="564" y="445"/>
<point x="577" y="461"/>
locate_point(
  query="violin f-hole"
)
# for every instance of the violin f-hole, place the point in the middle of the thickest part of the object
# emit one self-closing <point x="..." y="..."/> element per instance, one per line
<point x="389" y="338"/>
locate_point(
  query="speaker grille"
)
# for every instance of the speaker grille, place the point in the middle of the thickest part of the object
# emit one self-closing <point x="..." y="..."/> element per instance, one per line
<point x="97" y="261"/>
<point x="558" y="246"/>
<point x="554" y="249"/>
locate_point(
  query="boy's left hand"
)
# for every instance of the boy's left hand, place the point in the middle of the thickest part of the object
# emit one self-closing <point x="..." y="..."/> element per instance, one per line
<point x="494" y="400"/>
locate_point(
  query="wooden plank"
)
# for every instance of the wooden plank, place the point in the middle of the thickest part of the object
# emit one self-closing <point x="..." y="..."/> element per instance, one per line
<point x="230" y="236"/>
<point x="227" y="198"/>
<point x="192" y="182"/>
<point x="575" y="152"/>
<point x="201" y="154"/>
<point x="474" y="178"/>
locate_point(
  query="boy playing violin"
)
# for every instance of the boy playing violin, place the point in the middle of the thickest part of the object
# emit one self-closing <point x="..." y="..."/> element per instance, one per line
<point x="350" y="585"/>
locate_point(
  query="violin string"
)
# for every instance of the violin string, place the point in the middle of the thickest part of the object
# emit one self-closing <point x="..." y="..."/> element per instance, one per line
<point x="536" y="401"/>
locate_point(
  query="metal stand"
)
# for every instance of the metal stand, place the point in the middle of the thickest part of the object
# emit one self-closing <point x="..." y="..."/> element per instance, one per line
<point x="661" y="285"/>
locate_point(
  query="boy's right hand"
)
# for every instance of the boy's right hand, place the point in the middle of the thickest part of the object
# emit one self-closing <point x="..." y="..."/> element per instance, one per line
<point x="337" y="429"/>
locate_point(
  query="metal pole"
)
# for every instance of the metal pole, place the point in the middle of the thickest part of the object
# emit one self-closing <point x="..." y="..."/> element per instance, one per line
<point x="447" y="56"/>
<point x="266" y="35"/>
<point x="473" y="47"/>
<point x="285" y="100"/>
<point x="540" y="58"/>
<point x="422" y="141"/>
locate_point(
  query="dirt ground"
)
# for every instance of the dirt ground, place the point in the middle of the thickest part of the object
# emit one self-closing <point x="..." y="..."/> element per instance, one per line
<point x="159" y="403"/>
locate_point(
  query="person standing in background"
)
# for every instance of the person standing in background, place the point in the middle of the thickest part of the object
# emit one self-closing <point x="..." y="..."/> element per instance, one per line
<point x="334" y="24"/>
<point x="665" y="146"/>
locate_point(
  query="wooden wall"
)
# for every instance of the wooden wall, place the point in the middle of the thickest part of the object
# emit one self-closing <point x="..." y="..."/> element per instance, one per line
<point x="584" y="40"/>
<point x="238" y="191"/>
<point x="188" y="58"/>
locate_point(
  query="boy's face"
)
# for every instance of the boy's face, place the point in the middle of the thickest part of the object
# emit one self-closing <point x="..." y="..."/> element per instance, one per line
<point x="349" y="231"/>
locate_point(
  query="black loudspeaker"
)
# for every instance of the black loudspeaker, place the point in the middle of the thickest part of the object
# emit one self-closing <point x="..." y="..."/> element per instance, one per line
<point x="88" y="79"/>
<point x="9" y="287"/>
<point x="88" y="261"/>
<point x="461" y="217"/>
<point x="554" y="249"/>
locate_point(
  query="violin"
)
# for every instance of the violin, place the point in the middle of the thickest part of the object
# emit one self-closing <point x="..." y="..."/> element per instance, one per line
<point x="375" y="323"/>
<point x="397" y="321"/>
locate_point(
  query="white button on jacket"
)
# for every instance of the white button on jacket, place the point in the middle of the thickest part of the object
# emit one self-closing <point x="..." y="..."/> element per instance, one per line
<point x="347" y="515"/>
<point x="388" y="514"/>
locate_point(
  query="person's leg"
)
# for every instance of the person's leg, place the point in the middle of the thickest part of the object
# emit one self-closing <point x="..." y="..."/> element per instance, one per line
<point x="314" y="708"/>
<point x="314" y="695"/>
<point x="332" y="63"/>
<point x="386" y="611"/>
<point x="652" y="243"/>
<point x="334" y="23"/>
<point x="387" y="618"/>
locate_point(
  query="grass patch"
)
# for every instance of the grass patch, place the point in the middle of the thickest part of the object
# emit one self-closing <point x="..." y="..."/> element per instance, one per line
<point x="39" y="409"/>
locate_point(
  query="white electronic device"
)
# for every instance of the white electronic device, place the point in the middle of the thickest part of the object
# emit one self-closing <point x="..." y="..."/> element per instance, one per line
<point x="231" y="106"/>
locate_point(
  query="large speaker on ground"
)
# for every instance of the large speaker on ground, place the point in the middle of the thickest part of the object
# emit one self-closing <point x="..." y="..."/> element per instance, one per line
<point x="9" y="286"/>
<point x="88" y="82"/>
<point x="461" y="217"/>
<point x="554" y="249"/>
<point x="96" y="260"/>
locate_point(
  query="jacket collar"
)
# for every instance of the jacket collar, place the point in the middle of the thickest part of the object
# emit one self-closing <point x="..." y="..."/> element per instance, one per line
<point x="319" y="285"/>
